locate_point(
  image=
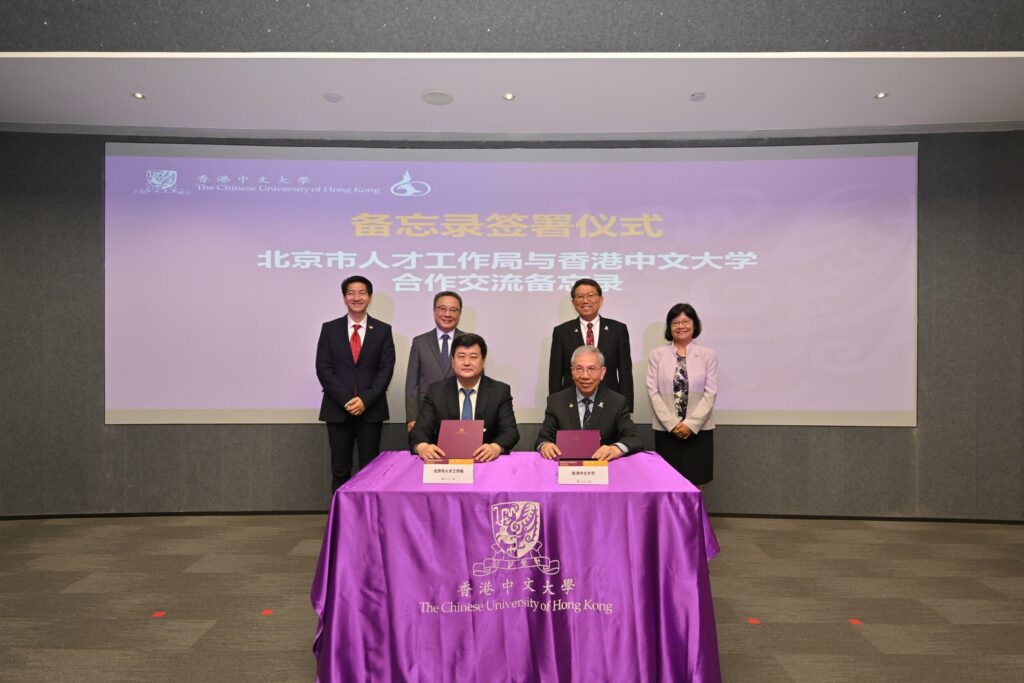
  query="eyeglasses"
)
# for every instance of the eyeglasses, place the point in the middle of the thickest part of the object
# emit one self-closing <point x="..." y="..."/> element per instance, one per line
<point x="592" y="372"/>
<point x="682" y="323"/>
<point x="586" y="297"/>
<point x="447" y="309"/>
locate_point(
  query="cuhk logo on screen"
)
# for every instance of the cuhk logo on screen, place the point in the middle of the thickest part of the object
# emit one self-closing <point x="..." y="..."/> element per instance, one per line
<point x="163" y="181"/>
<point x="407" y="187"/>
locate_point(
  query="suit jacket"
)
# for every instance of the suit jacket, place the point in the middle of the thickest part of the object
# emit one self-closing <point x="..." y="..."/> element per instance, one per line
<point x="342" y="378"/>
<point x="702" y="374"/>
<point x="425" y="368"/>
<point x="610" y="414"/>
<point x="613" y="340"/>
<point x="493" y="406"/>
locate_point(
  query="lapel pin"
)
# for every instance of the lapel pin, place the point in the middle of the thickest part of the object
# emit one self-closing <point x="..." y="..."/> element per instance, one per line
<point x="605" y="328"/>
<point x="601" y="404"/>
<point x="571" y="405"/>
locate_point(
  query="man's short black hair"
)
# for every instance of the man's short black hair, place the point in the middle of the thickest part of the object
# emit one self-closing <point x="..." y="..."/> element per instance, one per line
<point x="454" y="295"/>
<point x="469" y="340"/>
<point x="585" y="281"/>
<point x="356" y="278"/>
<point x="674" y="312"/>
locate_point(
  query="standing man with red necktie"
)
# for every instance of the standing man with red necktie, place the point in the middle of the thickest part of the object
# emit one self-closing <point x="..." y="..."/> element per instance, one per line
<point x="355" y="359"/>
<point x="610" y="336"/>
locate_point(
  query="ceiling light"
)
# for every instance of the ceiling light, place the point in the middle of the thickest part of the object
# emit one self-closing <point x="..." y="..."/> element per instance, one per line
<point x="697" y="96"/>
<point x="332" y="97"/>
<point x="509" y="96"/>
<point x="139" y="95"/>
<point x="881" y="95"/>
<point x="436" y="97"/>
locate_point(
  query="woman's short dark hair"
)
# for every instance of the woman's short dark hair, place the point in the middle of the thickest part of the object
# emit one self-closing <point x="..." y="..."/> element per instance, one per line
<point x="469" y="340"/>
<point x="356" y="278"/>
<point x="674" y="312"/>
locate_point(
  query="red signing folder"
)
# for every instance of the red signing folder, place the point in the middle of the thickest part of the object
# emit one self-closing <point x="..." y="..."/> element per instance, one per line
<point x="459" y="438"/>
<point x="578" y="444"/>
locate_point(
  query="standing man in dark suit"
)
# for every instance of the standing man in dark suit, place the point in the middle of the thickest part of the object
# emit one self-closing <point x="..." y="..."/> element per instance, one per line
<point x="355" y="359"/>
<point x="589" y="405"/>
<point x="469" y="395"/>
<point x="611" y="336"/>
<point x="431" y="352"/>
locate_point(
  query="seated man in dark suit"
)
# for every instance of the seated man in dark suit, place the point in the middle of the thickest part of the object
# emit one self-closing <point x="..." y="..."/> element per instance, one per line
<point x="469" y="395"/>
<point x="589" y="405"/>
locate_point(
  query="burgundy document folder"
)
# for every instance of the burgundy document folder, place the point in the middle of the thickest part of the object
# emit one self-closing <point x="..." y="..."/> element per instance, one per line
<point x="577" y="444"/>
<point x="459" y="438"/>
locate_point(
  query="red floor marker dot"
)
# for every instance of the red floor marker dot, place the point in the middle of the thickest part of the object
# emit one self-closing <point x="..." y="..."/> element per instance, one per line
<point x="752" y="620"/>
<point x="267" y="612"/>
<point x="856" y="622"/>
<point x="157" y="615"/>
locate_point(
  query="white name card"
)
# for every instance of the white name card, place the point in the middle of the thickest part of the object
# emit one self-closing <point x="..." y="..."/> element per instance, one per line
<point x="587" y="472"/>
<point x="448" y="472"/>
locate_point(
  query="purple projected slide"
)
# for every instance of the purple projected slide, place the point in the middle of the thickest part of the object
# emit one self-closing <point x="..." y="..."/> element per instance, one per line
<point x="222" y="262"/>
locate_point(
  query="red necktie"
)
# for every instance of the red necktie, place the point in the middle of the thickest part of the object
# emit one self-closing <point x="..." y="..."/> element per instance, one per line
<point x="356" y="343"/>
<point x="590" y="334"/>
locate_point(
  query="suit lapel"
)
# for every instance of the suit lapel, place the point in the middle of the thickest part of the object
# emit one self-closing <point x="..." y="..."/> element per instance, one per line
<point x="346" y="343"/>
<point x="597" y="410"/>
<point x="574" y="412"/>
<point x="481" y="398"/>
<point x="575" y="336"/>
<point x="604" y="338"/>
<point x="435" y="351"/>
<point x="453" y="398"/>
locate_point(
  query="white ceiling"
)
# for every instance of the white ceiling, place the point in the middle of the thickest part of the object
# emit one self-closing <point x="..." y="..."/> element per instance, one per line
<point x="557" y="96"/>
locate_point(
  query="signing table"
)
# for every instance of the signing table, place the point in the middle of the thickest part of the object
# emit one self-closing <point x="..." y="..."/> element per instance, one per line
<point x="514" y="577"/>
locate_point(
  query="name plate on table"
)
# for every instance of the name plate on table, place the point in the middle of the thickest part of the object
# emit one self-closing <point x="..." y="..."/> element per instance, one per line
<point x="582" y="472"/>
<point x="448" y="471"/>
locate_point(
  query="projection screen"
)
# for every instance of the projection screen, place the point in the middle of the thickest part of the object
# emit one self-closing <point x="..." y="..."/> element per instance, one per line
<point x="223" y="261"/>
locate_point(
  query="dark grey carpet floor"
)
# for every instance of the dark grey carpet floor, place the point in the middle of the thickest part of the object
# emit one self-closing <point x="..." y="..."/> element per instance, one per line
<point x="934" y="601"/>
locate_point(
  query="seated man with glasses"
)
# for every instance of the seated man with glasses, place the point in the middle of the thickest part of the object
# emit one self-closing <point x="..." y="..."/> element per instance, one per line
<point x="610" y="336"/>
<point x="588" y="404"/>
<point x="430" y="354"/>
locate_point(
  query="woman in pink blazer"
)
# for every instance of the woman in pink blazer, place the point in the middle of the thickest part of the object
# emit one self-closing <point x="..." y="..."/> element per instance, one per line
<point x="682" y="382"/>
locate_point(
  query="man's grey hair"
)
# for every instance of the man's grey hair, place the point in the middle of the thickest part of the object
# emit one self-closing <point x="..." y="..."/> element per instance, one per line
<point x="587" y="348"/>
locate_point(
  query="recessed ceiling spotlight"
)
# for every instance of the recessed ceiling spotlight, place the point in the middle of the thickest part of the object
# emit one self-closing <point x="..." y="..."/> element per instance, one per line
<point x="881" y="95"/>
<point x="436" y="97"/>
<point x="139" y="95"/>
<point x="332" y="97"/>
<point x="697" y="96"/>
<point x="509" y="96"/>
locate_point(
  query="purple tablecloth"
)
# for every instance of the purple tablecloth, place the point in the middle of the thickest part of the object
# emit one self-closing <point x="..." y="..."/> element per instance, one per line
<point x="516" y="578"/>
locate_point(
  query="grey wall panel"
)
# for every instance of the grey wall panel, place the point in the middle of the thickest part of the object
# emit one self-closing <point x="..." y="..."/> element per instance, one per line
<point x="948" y="234"/>
<point x="156" y="476"/>
<point x="766" y="467"/>
<point x="1000" y="335"/>
<point x="511" y="26"/>
<point x="963" y="460"/>
<point x="299" y="468"/>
